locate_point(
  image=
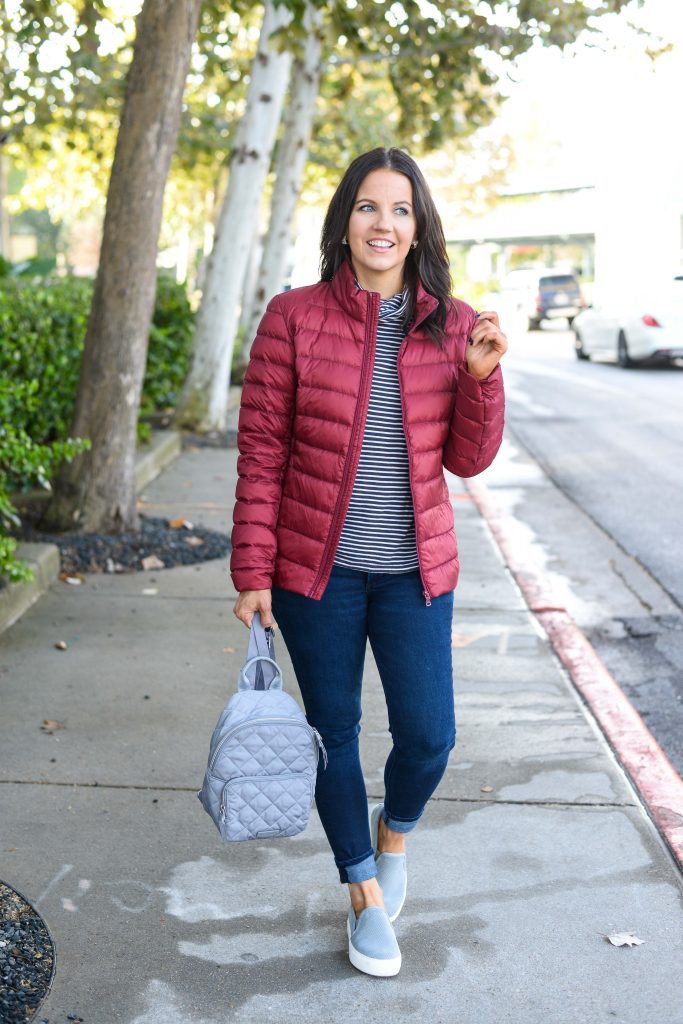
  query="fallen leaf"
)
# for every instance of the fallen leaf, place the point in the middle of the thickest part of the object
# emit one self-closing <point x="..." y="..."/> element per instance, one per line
<point x="74" y="578"/>
<point x="150" y="591"/>
<point x="487" y="789"/>
<point x="60" y="645"/>
<point x="194" y="541"/>
<point x="624" y="939"/>
<point x="179" y="523"/>
<point x="151" y="562"/>
<point x="464" y="639"/>
<point x="49" y="725"/>
<point x="228" y="650"/>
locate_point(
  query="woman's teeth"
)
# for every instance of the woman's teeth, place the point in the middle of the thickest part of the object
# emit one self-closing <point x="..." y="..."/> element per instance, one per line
<point x="381" y="245"/>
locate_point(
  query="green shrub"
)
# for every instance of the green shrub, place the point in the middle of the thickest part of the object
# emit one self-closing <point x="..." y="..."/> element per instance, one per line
<point x="170" y="342"/>
<point x="42" y="330"/>
<point x="22" y="461"/>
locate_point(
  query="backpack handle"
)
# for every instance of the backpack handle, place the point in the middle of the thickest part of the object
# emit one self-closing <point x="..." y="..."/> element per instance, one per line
<point x="245" y="683"/>
<point x="261" y="644"/>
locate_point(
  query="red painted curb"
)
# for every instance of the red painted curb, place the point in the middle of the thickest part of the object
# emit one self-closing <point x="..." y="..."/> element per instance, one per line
<point x="638" y="752"/>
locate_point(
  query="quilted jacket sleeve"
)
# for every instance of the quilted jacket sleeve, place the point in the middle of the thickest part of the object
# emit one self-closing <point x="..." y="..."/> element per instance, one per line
<point x="263" y="439"/>
<point x="476" y="429"/>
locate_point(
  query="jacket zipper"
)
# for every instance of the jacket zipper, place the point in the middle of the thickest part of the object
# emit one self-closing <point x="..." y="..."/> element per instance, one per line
<point x="251" y="722"/>
<point x="352" y="456"/>
<point x="425" y="592"/>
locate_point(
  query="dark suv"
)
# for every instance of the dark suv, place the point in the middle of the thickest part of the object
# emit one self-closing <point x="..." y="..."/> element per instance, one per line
<point x="544" y="294"/>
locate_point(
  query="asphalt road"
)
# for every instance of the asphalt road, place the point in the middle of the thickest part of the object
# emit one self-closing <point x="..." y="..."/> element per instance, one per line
<point x="593" y="471"/>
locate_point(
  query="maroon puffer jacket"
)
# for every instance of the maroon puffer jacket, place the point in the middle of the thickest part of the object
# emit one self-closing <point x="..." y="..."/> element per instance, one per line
<point x="301" y="425"/>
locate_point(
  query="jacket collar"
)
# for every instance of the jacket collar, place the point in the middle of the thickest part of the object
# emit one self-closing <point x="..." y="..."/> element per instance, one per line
<point x="353" y="301"/>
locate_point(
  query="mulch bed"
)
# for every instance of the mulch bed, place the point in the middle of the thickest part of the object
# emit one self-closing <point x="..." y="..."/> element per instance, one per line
<point x="124" y="552"/>
<point x="27" y="958"/>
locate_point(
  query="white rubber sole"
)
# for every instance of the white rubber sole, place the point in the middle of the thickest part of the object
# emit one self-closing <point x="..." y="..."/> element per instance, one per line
<point x="369" y="965"/>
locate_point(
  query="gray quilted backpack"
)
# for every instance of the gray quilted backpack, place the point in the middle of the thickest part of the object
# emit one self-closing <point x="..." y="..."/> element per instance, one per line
<point x="263" y="757"/>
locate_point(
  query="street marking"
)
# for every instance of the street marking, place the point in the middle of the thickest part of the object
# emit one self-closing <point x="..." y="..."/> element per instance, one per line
<point x="63" y="871"/>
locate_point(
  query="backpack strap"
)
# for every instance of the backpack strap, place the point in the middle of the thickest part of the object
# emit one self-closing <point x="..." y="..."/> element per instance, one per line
<point x="265" y="665"/>
<point x="263" y="669"/>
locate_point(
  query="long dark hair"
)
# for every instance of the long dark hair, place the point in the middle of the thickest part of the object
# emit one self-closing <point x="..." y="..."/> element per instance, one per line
<point x="428" y="262"/>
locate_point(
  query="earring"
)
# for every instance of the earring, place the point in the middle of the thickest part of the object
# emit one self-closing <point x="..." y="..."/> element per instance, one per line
<point x="344" y="242"/>
<point x="413" y="245"/>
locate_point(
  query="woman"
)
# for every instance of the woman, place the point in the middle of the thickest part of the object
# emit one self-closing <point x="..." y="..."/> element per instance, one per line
<point x="360" y="389"/>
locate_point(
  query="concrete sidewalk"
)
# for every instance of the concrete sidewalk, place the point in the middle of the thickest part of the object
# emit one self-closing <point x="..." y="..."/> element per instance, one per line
<point x="533" y="850"/>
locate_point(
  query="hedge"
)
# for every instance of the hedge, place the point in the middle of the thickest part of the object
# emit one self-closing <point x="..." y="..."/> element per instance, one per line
<point x="42" y="330"/>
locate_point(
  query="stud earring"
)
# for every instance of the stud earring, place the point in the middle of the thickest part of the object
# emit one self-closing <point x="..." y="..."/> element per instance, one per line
<point x="344" y="242"/>
<point x="413" y="245"/>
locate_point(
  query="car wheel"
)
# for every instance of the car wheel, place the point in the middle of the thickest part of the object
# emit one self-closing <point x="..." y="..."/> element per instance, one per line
<point x="534" y="325"/>
<point x="578" y="347"/>
<point x="623" y="358"/>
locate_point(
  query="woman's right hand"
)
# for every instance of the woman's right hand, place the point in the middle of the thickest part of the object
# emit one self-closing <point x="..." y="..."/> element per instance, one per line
<point x="250" y="601"/>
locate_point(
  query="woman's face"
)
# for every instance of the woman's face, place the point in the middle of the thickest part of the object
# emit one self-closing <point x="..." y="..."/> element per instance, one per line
<point x="381" y="229"/>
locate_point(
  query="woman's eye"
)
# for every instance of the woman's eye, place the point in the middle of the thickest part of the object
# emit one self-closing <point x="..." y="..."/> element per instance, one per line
<point x="368" y="206"/>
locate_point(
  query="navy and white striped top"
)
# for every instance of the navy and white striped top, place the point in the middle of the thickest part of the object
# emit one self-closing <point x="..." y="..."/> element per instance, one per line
<point x="379" y="530"/>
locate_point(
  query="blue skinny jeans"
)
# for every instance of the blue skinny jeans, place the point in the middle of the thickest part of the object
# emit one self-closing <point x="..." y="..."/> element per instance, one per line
<point x="411" y="642"/>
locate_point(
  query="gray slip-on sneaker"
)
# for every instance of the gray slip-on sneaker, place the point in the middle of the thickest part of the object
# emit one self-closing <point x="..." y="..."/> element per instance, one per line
<point x="373" y="948"/>
<point x="392" y="872"/>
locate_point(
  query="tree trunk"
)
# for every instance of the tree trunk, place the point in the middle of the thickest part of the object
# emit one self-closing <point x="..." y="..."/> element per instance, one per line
<point x="97" y="491"/>
<point x="290" y="165"/>
<point x="251" y="280"/>
<point x="204" y="401"/>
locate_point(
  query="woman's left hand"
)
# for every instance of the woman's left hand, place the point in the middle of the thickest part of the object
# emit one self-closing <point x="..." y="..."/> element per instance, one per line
<point x="488" y="344"/>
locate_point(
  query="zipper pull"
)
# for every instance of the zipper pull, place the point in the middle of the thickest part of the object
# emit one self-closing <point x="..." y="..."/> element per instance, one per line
<point x="321" y="745"/>
<point x="428" y="600"/>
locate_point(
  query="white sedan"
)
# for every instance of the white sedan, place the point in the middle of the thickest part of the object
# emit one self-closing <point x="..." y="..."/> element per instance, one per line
<point x="638" y="331"/>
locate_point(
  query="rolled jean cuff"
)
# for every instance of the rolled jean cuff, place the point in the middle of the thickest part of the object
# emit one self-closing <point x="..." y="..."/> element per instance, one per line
<point x="400" y="824"/>
<point x="359" y="872"/>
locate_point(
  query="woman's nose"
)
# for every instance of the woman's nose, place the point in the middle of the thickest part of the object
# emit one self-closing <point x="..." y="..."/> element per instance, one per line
<point x="382" y="220"/>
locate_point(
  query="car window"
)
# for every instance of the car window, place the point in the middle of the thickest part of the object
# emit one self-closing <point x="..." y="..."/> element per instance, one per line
<point x="558" y="279"/>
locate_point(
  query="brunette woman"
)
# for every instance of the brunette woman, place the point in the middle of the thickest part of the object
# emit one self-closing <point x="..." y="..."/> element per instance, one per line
<point x="360" y="390"/>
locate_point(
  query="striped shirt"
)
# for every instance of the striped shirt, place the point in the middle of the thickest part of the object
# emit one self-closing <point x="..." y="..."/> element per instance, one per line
<point x="379" y="530"/>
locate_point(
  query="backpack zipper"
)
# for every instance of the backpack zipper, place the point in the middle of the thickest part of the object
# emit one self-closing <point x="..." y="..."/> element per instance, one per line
<point x="251" y="721"/>
<point x="223" y="806"/>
